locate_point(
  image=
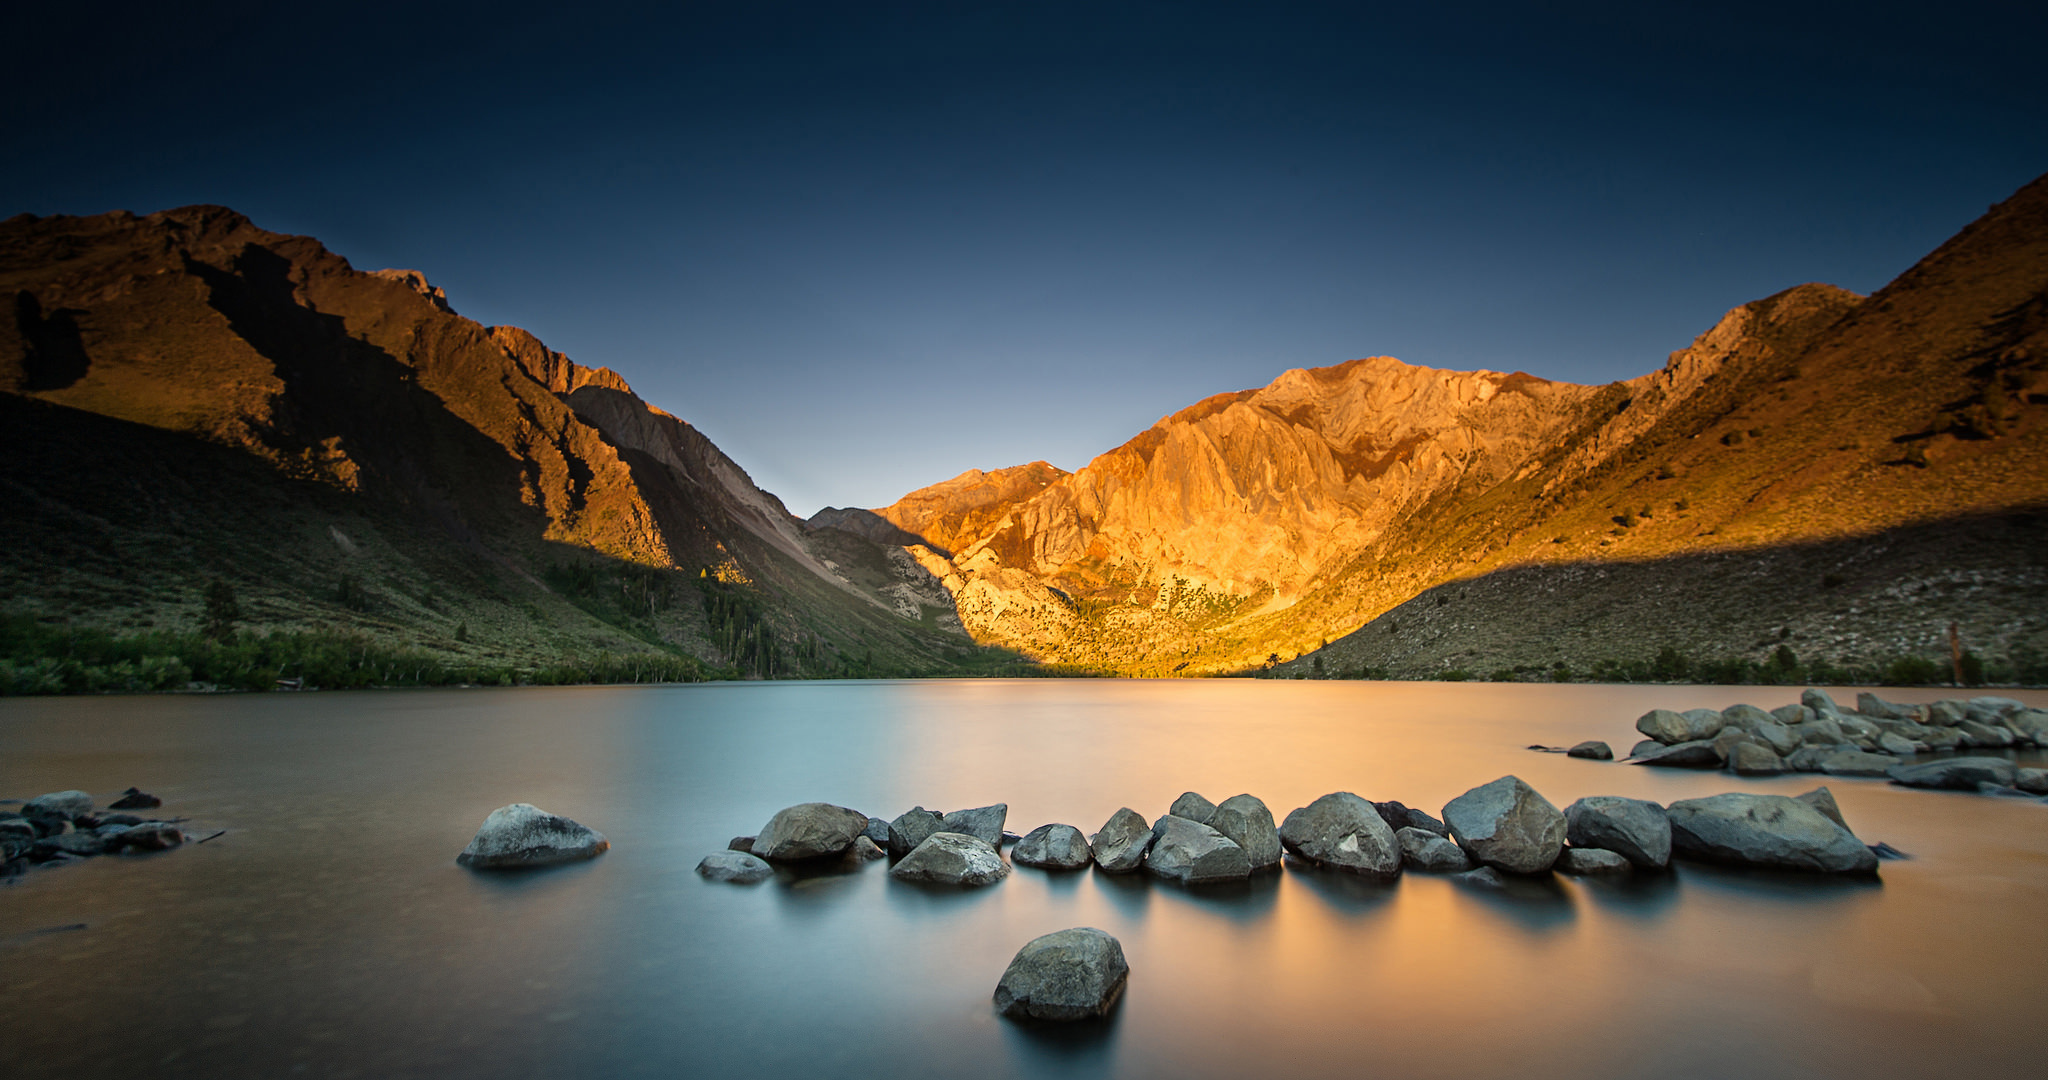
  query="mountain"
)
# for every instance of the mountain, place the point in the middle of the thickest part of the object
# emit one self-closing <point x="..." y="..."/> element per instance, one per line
<point x="191" y="398"/>
<point x="1838" y="475"/>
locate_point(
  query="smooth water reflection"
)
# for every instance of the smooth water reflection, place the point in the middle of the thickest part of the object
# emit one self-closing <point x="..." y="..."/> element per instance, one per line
<point x="330" y="933"/>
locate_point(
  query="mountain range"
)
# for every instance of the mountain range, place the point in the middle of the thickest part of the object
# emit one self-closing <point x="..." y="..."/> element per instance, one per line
<point x="1821" y="476"/>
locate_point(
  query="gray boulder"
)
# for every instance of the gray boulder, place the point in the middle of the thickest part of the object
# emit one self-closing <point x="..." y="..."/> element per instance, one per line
<point x="1778" y="737"/>
<point x="984" y="823"/>
<point x="512" y="836"/>
<point x="1768" y="831"/>
<point x="1120" y="847"/>
<point x="1978" y="734"/>
<point x="1947" y="713"/>
<point x="1066" y="975"/>
<point x="1870" y="704"/>
<point x="910" y="829"/>
<point x="1994" y="706"/>
<point x="1192" y="807"/>
<point x="1592" y="748"/>
<point x="163" y="836"/>
<point x="1957" y="774"/>
<point x="947" y="858"/>
<point x="16" y="838"/>
<point x="1856" y="763"/>
<point x="61" y="804"/>
<point x="1746" y="717"/>
<point x="878" y="831"/>
<point x="1943" y="738"/>
<point x="1895" y="745"/>
<point x="1647" y="746"/>
<point x="1672" y="728"/>
<point x="1749" y="759"/>
<point x="77" y="844"/>
<point x="1823" y="800"/>
<point x="1432" y="853"/>
<point x="1485" y="878"/>
<point x="2031" y="723"/>
<point x="1698" y="754"/>
<point x="737" y="867"/>
<point x="809" y="831"/>
<point x="2034" y="781"/>
<point x="1819" y="701"/>
<point x="1591" y="861"/>
<point x="742" y="844"/>
<point x="863" y="850"/>
<point x="1343" y="832"/>
<point x="1192" y="853"/>
<point x="1637" y="830"/>
<point x="1792" y="714"/>
<point x="1825" y="731"/>
<point x="1399" y="816"/>
<point x="1249" y="825"/>
<point x="1053" y="847"/>
<point x="1507" y="825"/>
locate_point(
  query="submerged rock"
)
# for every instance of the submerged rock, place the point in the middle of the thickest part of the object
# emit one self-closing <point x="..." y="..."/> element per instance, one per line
<point x="1637" y="830"/>
<point x="1193" y="807"/>
<point x="737" y="867"/>
<point x="134" y="799"/>
<point x="910" y="829"/>
<point x="1594" y="749"/>
<point x="1343" y="832"/>
<point x="1770" y="831"/>
<point x="1956" y="774"/>
<point x="809" y="831"/>
<point x="1192" y="853"/>
<point x="1591" y="861"/>
<point x="1432" y="853"/>
<point x="1507" y="825"/>
<point x="1698" y="754"/>
<point x="1064" y="976"/>
<point x="512" y="836"/>
<point x="947" y="858"/>
<point x="59" y="804"/>
<point x="1120" y="847"/>
<point x="1053" y="847"/>
<point x="163" y="836"/>
<point x="1249" y="825"/>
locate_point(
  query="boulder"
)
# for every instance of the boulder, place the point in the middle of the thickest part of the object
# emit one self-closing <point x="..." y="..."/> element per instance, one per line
<point x="1746" y="717"/>
<point x="1767" y="831"/>
<point x="1192" y="807"/>
<point x="1977" y="734"/>
<point x="1731" y="737"/>
<point x="1819" y="701"/>
<point x="1399" y="816"/>
<point x="1591" y="861"/>
<point x="1994" y="706"/>
<point x="1507" y="825"/>
<point x="1066" y="975"/>
<point x="1486" y="877"/>
<point x="1778" y="737"/>
<point x="878" y="831"/>
<point x="809" y="831"/>
<point x="1592" y="748"/>
<point x="1053" y="847"/>
<point x="1698" y="754"/>
<point x="1672" y="728"/>
<point x="1956" y="774"/>
<point x="2031" y="780"/>
<point x="1120" y="847"/>
<point x="1792" y="714"/>
<point x="1343" y="832"/>
<point x="1807" y="758"/>
<point x="1856" y="763"/>
<point x="1823" y="800"/>
<point x="910" y="829"/>
<point x="1870" y="704"/>
<point x="1947" y="713"/>
<point x="1644" y="747"/>
<point x="1942" y="738"/>
<point x="1825" y="731"/>
<point x="984" y="823"/>
<point x="1895" y="745"/>
<point x="947" y="858"/>
<point x="1637" y="830"/>
<point x="1249" y="825"/>
<point x="163" y="836"/>
<point x="59" y="804"/>
<point x="863" y="850"/>
<point x="743" y="844"/>
<point x="514" y="836"/>
<point x="737" y="867"/>
<point x="1192" y="853"/>
<point x="76" y="844"/>
<point x="134" y="799"/>
<point x="2031" y="723"/>
<point x="1432" y="853"/>
<point x="1749" y="759"/>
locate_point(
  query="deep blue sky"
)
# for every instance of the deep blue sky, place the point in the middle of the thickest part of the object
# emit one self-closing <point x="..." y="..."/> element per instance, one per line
<point x="864" y="246"/>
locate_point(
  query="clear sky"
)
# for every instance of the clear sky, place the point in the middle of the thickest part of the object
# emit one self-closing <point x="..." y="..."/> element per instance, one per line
<point x="866" y="245"/>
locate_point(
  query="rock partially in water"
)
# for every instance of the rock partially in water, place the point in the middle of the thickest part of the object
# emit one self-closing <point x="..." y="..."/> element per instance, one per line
<point x="1896" y="745"/>
<point x="135" y="799"/>
<point x="910" y="829"/>
<point x="1193" y="807"/>
<point x="1064" y="976"/>
<point x="1698" y="754"/>
<point x="1120" y="846"/>
<point x="77" y="844"/>
<point x="1672" y="728"/>
<point x="947" y="858"/>
<point x="1768" y="831"/>
<point x="163" y="836"/>
<point x="737" y="867"/>
<point x="514" y="836"/>
<point x="1823" y="800"/>
<point x="1507" y="825"/>
<point x="864" y="850"/>
<point x="1644" y="747"/>
<point x="1956" y="774"/>
<point x="743" y="844"/>
<point x="59" y="804"/>
<point x="1593" y="749"/>
<point x="1856" y="763"/>
<point x="984" y="823"/>
<point x="1192" y="853"/>
<point x="1343" y="832"/>
<point x="1591" y="862"/>
<point x="809" y="831"/>
<point x="1399" y="816"/>
<point x="1746" y="717"/>
<point x="1249" y="824"/>
<point x="1486" y="877"/>
<point x="1750" y="759"/>
<point x="1053" y="847"/>
<point x="1635" y="829"/>
<point x="1429" y="852"/>
<point x="2031" y="780"/>
<point x="878" y="831"/>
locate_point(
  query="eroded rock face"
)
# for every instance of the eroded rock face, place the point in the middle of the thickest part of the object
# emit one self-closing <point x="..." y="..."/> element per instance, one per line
<point x="1249" y="825"/>
<point x="1053" y="847"/>
<point x="952" y="859"/>
<point x="1121" y="844"/>
<point x="1343" y="832"/>
<point x="1956" y="774"/>
<point x="1431" y="853"/>
<point x="1192" y="853"/>
<point x="521" y="835"/>
<point x="809" y="831"/>
<point x="1637" y="830"/>
<point x="910" y="829"/>
<point x="1768" y="831"/>
<point x="1193" y="807"/>
<point x="1507" y="825"/>
<point x="1064" y="976"/>
<point x="737" y="867"/>
<point x="984" y="823"/>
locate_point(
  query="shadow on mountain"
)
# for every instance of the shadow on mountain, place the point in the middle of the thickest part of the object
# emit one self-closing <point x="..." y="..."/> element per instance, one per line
<point x="53" y="353"/>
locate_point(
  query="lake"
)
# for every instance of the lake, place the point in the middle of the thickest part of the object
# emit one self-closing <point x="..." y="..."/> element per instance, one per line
<point x="329" y="932"/>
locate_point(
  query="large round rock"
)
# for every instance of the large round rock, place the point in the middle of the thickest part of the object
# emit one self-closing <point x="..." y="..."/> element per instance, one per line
<point x="63" y="804"/>
<point x="524" y="835"/>
<point x="1507" y="825"/>
<point x="1066" y="975"/>
<point x="812" y="830"/>
<point x="1770" y="831"/>
<point x="737" y="867"/>
<point x="1120" y="847"/>
<point x="1053" y="847"/>
<point x="1194" y="854"/>
<point x="1249" y="825"/>
<point x="1634" y="829"/>
<point x="952" y="859"/>
<point x="1343" y="832"/>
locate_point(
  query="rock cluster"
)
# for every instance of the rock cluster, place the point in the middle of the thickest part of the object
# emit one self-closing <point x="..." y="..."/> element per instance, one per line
<point x="64" y="825"/>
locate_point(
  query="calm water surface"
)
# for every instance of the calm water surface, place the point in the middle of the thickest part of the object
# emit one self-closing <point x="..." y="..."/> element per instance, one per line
<point x="330" y="933"/>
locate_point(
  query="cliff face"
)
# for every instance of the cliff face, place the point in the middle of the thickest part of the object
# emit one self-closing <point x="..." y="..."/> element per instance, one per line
<point x="1256" y="525"/>
<point x="196" y="324"/>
